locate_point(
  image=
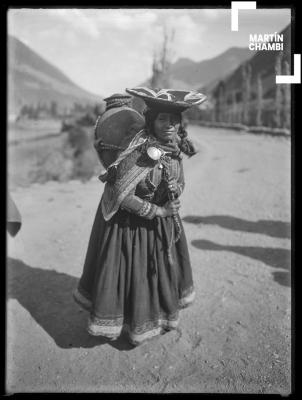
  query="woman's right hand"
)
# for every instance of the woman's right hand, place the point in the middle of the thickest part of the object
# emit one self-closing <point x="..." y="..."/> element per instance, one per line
<point x="170" y="208"/>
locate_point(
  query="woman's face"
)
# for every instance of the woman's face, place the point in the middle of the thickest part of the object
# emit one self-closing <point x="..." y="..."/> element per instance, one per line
<point x="166" y="126"/>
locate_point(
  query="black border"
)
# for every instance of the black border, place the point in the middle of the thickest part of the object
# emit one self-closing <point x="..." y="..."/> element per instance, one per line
<point x="295" y="102"/>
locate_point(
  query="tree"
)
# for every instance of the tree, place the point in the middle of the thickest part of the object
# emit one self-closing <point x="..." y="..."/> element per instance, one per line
<point x="162" y="61"/>
<point x="24" y="110"/>
<point x="278" y="94"/>
<point x="233" y="107"/>
<point x="220" y="102"/>
<point x="259" y="101"/>
<point x="54" y="109"/>
<point x="246" y="92"/>
<point x="286" y="106"/>
<point x="98" y="110"/>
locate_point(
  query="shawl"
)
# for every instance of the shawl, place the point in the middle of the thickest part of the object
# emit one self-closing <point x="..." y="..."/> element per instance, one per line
<point x="130" y="167"/>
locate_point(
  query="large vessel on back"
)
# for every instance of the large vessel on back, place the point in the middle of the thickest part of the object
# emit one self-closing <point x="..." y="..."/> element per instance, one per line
<point x="115" y="129"/>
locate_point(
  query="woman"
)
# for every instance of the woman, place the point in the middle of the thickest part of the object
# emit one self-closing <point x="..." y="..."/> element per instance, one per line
<point x="137" y="273"/>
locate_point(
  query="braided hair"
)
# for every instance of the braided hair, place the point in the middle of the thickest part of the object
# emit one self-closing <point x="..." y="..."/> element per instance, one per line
<point x="184" y="143"/>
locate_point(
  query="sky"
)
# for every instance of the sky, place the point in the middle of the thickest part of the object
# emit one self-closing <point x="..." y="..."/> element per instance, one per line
<point x="106" y="50"/>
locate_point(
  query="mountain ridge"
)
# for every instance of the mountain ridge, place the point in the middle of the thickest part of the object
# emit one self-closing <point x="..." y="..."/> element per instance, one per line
<point x="262" y="63"/>
<point x="32" y="80"/>
<point x="186" y="73"/>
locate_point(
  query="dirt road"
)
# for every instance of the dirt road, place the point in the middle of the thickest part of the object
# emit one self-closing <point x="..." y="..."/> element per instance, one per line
<point x="236" y="336"/>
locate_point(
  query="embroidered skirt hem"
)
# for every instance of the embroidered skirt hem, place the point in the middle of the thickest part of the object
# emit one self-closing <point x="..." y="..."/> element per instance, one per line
<point x="129" y="282"/>
<point x="112" y="328"/>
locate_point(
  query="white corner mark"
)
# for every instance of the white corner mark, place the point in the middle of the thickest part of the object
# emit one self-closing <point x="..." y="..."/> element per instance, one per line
<point x="240" y="5"/>
<point x="252" y="5"/>
<point x="296" y="78"/>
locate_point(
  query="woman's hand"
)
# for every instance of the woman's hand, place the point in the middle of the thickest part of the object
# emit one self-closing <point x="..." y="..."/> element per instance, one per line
<point x="172" y="185"/>
<point x="169" y="209"/>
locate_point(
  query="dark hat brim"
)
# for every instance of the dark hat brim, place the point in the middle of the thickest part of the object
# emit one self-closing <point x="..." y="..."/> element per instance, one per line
<point x="165" y="105"/>
<point x="176" y="105"/>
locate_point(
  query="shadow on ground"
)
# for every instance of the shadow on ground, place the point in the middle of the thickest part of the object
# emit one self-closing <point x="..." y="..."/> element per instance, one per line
<point x="47" y="296"/>
<point x="278" y="229"/>
<point x="271" y="256"/>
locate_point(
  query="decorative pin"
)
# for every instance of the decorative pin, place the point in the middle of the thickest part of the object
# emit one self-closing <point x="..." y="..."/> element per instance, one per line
<point x="154" y="153"/>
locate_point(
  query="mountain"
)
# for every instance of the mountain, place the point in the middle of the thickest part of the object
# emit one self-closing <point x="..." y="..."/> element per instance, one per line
<point x="249" y="95"/>
<point x="32" y="80"/>
<point x="186" y="73"/>
<point x="198" y="74"/>
<point x="262" y="63"/>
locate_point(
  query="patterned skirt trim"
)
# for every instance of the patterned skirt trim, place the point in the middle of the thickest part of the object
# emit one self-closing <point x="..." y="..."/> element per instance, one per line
<point x="111" y="327"/>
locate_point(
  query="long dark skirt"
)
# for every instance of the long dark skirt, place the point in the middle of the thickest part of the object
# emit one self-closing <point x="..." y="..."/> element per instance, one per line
<point x="128" y="282"/>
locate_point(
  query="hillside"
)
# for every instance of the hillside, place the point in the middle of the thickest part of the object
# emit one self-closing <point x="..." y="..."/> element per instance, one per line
<point x="197" y="74"/>
<point x="187" y="73"/>
<point x="33" y="80"/>
<point x="262" y="63"/>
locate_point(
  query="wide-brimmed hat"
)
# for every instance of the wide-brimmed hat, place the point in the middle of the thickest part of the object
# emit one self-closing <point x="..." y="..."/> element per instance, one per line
<point x="169" y="100"/>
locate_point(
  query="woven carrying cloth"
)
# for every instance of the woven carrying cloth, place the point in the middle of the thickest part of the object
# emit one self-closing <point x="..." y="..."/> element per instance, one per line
<point x="130" y="168"/>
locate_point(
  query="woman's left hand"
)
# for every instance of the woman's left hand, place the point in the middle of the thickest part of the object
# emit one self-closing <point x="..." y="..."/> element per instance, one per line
<point x="172" y="185"/>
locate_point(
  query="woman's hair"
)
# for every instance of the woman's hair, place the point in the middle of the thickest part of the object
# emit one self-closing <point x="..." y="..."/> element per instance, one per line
<point x="184" y="143"/>
<point x="150" y="116"/>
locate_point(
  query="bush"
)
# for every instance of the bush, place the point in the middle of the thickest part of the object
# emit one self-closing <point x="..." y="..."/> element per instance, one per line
<point x="53" y="166"/>
<point x="79" y="146"/>
<point x="78" y="139"/>
<point x="85" y="165"/>
<point x="87" y="120"/>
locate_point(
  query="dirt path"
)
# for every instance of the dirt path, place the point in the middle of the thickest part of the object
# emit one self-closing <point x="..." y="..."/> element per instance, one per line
<point x="236" y="336"/>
